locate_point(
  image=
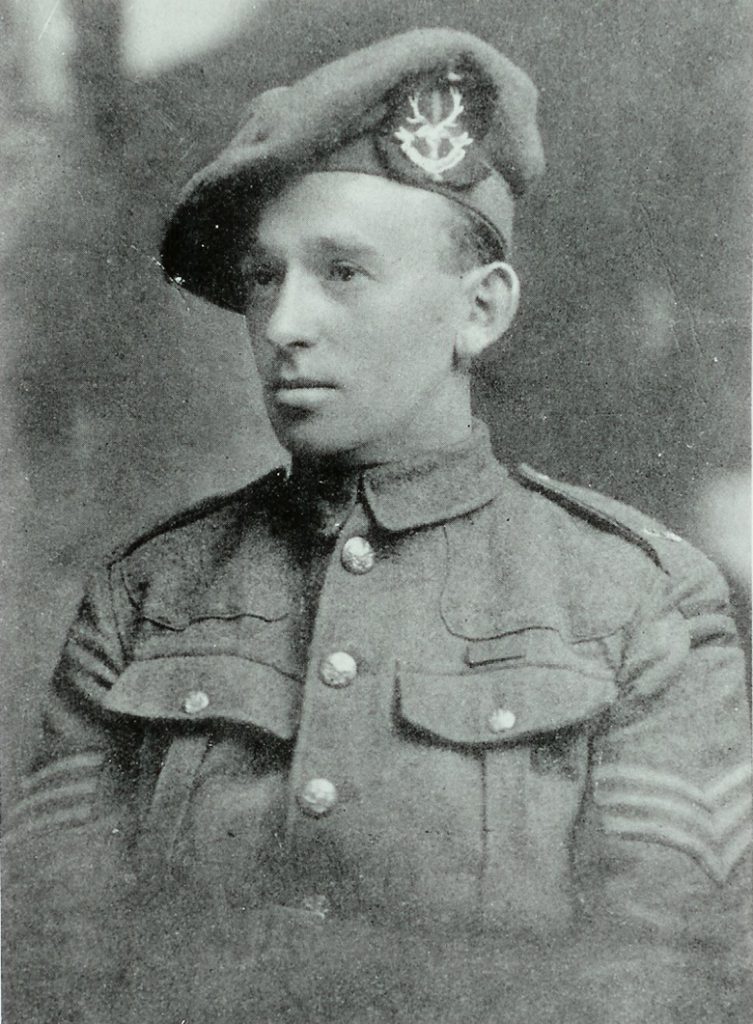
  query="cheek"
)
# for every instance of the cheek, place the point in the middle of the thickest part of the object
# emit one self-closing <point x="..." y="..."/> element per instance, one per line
<point x="438" y="309"/>
<point x="415" y="342"/>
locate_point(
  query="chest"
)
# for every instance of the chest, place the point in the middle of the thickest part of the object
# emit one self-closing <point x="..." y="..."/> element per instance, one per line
<point x="361" y="746"/>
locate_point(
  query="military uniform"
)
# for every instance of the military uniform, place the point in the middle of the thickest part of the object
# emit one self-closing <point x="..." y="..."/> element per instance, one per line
<point x="423" y="742"/>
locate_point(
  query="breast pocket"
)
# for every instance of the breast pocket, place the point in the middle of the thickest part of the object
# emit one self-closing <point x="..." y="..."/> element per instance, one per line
<point x="525" y="709"/>
<point x="186" y="706"/>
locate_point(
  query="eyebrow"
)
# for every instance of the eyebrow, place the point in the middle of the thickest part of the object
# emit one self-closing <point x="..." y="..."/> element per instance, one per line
<point x="348" y="245"/>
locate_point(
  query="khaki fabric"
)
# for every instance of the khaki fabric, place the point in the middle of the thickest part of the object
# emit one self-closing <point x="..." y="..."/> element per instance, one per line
<point x="536" y="797"/>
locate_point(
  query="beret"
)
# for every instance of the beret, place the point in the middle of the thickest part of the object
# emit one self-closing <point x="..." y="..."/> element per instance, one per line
<point x="435" y="109"/>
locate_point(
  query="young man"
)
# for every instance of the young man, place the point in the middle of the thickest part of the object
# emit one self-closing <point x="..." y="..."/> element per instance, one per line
<point x="394" y="735"/>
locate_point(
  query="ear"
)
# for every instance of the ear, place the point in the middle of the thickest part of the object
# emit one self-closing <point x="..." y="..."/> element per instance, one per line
<point x="492" y="293"/>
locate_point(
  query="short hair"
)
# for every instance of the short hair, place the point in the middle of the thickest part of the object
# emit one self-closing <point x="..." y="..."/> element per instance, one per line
<point x="474" y="242"/>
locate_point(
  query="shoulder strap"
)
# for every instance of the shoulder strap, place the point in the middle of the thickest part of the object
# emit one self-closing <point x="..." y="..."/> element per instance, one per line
<point x="660" y="544"/>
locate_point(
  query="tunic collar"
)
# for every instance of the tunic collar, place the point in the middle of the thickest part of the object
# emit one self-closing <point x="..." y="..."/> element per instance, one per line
<point x="429" y="488"/>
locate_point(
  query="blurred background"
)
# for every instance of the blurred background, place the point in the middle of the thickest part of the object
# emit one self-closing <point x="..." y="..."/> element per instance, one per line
<point x="123" y="399"/>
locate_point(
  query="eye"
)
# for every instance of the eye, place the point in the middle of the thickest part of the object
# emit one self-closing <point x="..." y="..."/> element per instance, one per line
<point x="261" y="275"/>
<point x="339" y="270"/>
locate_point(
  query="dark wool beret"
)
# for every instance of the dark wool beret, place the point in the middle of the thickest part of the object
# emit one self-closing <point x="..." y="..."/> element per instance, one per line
<point x="432" y="108"/>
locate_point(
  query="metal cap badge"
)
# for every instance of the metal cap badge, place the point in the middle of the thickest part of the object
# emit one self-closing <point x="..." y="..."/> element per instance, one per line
<point x="434" y="140"/>
<point x="434" y="128"/>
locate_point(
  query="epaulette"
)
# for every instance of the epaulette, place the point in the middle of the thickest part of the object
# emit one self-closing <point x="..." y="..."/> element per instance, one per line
<point x="204" y="507"/>
<point x="659" y="543"/>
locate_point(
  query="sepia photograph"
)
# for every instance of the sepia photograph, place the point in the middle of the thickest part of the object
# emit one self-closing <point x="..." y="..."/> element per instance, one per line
<point x="375" y="518"/>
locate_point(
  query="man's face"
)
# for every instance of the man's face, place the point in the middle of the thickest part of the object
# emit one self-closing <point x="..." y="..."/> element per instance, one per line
<point x="353" y="309"/>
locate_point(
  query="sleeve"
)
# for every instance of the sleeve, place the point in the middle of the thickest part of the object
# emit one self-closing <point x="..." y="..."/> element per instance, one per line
<point x="65" y="868"/>
<point x="665" y="859"/>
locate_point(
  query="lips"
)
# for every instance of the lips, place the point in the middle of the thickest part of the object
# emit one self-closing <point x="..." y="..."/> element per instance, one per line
<point x="302" y="392"/>
<point x="300" y="383"/>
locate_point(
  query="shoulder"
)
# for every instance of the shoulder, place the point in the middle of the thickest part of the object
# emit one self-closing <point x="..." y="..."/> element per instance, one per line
<point x="219" y="554"/>
<point x="207" y="526"/>
<point x="629" y="534"/>
<point x="212" y="510"/>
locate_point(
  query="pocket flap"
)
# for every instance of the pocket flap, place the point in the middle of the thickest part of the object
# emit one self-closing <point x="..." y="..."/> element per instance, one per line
<point x="504" y="704"/>
<point x="217" y="687"/>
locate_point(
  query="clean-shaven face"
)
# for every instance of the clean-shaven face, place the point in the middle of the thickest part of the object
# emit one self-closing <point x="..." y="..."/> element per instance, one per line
<point x="353" y="309"/>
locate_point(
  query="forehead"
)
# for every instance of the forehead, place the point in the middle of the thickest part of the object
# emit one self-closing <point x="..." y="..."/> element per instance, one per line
<point x="359" y="209"/>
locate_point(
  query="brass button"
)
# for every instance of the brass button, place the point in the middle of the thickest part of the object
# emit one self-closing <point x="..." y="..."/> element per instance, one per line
<point x="338" y="669"/>
<point x="317" y="797"/>
<point x="501" y="720"/>
<point x="358" y="555"/>
<point x="195" y="702"/>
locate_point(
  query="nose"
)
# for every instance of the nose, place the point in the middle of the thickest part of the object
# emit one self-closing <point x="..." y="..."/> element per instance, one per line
<point x="292" y="318"/>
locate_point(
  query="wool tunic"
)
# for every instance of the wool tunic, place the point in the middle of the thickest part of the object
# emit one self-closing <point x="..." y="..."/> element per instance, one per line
<point x="427" y="741"/>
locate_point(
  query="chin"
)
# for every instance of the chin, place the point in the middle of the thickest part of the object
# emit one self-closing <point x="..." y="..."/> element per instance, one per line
<point x="306" y="443"/>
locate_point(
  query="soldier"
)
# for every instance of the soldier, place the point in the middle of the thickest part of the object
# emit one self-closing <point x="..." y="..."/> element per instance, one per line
<point x="395" y="735"/>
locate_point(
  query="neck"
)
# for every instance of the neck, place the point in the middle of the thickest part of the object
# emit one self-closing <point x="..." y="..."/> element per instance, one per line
<point x="444" y="424"/>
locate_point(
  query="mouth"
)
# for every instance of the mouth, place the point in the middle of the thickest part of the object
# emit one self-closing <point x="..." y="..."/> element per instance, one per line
<point x="302" y="392"/>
